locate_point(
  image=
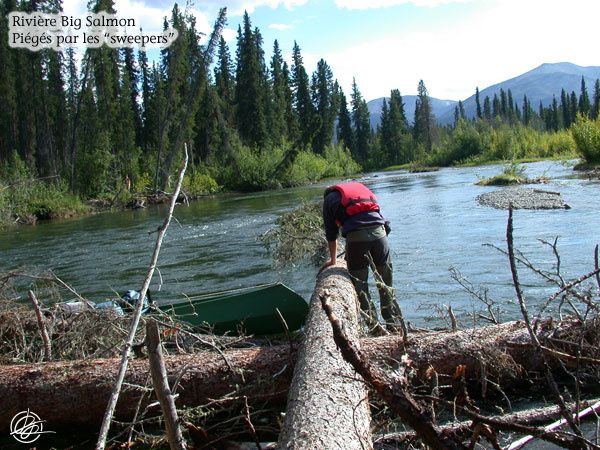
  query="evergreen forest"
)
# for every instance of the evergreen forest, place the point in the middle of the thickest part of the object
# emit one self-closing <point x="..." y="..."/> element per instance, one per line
<point x="109" y="124"/>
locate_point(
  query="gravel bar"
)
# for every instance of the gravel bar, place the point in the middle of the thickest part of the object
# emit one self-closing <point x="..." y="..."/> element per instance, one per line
<point x="522" y="198"/>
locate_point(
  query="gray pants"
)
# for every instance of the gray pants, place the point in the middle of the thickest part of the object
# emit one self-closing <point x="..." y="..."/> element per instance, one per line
<point x="358" y="251"/>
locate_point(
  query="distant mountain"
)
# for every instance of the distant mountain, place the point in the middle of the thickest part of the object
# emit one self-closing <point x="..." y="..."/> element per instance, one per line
<point x="541" y="83"/>
<point x="538" y="84"/>
<point x="439" y="107"/>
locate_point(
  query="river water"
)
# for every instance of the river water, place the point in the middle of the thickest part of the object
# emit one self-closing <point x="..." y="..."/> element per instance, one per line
<point x="437" y="224"/>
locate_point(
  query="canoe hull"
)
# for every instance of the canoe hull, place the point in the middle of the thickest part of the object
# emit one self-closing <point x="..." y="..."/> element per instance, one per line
<point x="250" y="311"/>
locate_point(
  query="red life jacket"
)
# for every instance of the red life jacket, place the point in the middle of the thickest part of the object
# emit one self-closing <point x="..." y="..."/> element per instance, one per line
<point x="356" y="198"/>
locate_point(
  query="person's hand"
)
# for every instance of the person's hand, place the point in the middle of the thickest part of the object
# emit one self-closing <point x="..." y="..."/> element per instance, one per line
<point x="330" y="262"/>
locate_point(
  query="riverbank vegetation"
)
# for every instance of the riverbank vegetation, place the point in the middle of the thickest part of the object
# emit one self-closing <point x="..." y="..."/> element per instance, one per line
<point x="25" y="199"/>
<point x="511" y="174"/>
<point x="112" y="126"/>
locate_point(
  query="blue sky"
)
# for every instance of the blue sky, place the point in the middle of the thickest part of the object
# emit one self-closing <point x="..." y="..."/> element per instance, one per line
<point x="453" y="45"/>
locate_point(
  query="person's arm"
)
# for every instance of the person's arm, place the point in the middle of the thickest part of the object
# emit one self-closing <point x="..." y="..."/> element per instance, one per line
<point x="331" y="228"/>
<point x="332" y="245"/>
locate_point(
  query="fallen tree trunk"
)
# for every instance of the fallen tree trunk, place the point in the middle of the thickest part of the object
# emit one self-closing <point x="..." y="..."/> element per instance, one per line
<point x="75" y="392"/>
<point x="328" y="406"/>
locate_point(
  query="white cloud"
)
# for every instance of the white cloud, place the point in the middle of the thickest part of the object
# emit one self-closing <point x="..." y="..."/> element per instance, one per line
<point x="280" y="26"/>
<point x="376" y="4"/>
<point x="505" y="40"/>
<point x="229" y="34"/>
<point x="237" y="7"/>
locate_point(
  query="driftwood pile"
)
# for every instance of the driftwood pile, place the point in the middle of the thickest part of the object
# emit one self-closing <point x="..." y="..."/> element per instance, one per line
<point x="327" y="403"/>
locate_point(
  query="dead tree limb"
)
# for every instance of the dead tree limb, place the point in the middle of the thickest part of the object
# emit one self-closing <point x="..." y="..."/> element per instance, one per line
<point x="534" y="338"/>
<point x="42" y="326"/>
<point x="110" y="409"/>
<point x="326" y="407"/>
<point x="530" y="418"/>
<point x="553" y="426"/>
<point x="161" y="387"/>
<point x="501" y="423"/>
<point x="393" y="392"/>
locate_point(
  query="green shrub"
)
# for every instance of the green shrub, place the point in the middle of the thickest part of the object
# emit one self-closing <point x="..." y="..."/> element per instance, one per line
<point x="255" y="169"/>
<point x="339" y="162"/>
<point x="306" y="168"/>
<point x="586" y="134"/>
<point x="94" y="176"/>
<point x="512" y="174"/>
<point x="143" y="183"/>
<point x="560" y="143"/>
<point x="464" y="143"/>
<point x="198" y="183"/>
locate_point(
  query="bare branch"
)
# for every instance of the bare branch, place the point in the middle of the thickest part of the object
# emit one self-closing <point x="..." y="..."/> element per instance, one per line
<point x="101" y="443"/>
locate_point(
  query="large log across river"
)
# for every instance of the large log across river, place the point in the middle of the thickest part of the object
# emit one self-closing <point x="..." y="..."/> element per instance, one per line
<point x="328" y="406"/>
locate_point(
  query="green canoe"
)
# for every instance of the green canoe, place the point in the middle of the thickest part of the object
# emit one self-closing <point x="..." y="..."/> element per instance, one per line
<point x="253" y="310"/>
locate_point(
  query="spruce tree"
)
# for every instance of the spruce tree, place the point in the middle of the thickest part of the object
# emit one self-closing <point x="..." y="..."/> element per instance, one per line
<point x="384" y="131"/>
<point x="584" y="99"/>
<point x="478" y="111"/>
<point x="555" y="120"/>
<point x="105" y="75"/>
<point x="180" y="63"/>
<point x="124" y="134"/>
<point x="133" y="76"/>
<point x="361" y="122"/>
<point x="596" y="105"/>
<point x="487" y="108"/>
<point x="424" y="121"/>
<point x="291" y="119"/>
<point x="345" y="132"/>
<point x="155" y="112"/>
<point x="144" y="74"/>
<point x="250" y="83"/>
<point x="8" y="93"/>
<point x="393" y="132"/>
<point x="278" y="123"/>
<point x="224" y="81"/>
<point x="323" y="95"/>
<point x="573" y="107"/>
<point x="565" y="109"/>
<point x="207" y="136"/>
<point x="503" y="104"/>
<point x="303" y="105"/>
<point x="28" y="66"/>
<point x="461" y="110"/>
<point x="495" y="106"/>
<point x="56" y="110"/>
<point x="511" y="106"/>
<point x="526" y="111"/>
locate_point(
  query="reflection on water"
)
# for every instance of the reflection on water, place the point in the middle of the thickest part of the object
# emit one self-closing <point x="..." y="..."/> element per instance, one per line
<point x="213" y="244"/>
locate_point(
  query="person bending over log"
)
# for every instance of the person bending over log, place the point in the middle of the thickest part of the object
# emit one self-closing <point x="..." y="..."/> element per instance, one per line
<point x="353" y="208"/>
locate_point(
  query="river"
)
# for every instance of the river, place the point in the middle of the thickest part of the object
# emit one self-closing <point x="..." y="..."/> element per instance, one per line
<point x="437" y="224"/>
